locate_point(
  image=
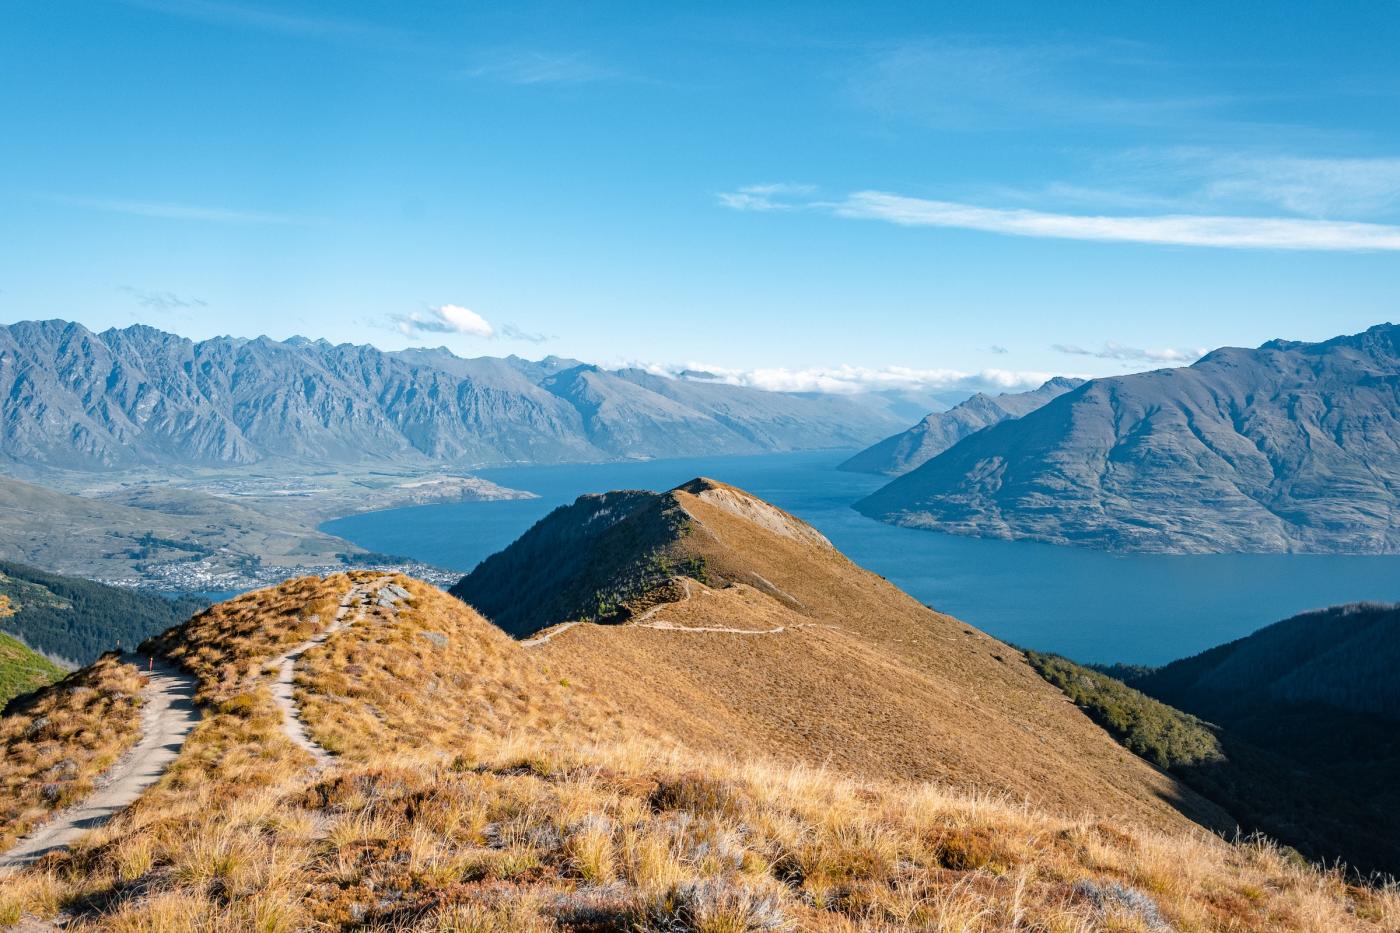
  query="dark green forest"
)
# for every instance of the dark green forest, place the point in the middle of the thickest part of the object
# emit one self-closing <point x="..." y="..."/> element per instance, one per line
<point x="77" y="619"/>
<point x="1318" y="777"/>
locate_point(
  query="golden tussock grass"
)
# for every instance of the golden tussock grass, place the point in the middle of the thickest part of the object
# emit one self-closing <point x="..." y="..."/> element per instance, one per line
<point x="226" y="645"/>
<point x="476" y="793"/>
<point x="631" y="837"/>
<point x="60" y="740"/>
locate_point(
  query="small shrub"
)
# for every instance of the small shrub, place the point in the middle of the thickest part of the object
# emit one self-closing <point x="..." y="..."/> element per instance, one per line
<point x="715" y="905"/>
<point x="700" y="795"/>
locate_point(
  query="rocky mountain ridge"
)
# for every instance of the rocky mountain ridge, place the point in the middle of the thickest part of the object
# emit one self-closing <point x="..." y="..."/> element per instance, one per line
<point x="908" y="450"/>
<point x="138" y="396"/>
<point x="1291" y="447"/>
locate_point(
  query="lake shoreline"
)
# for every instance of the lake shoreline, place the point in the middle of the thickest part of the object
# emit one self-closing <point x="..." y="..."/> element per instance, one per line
<point x="1092" y="605"/>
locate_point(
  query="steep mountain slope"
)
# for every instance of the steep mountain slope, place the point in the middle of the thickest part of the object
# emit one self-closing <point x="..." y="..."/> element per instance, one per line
<point x="78" y="619"/>
<point x="475" y="785"/>
<point x="913" y="448"/>
<point x="746" y="626"/>
<point x="1340" y="804"/>
<point x="1290" y="447"/>
<point x="1318" y="689"/>
<point x="139" y="396"/>
<point x="21" y="668"/>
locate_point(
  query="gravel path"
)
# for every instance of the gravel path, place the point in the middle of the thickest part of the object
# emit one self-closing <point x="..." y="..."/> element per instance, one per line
<point x="167" y="716"/>
<point x="356" y="598"/>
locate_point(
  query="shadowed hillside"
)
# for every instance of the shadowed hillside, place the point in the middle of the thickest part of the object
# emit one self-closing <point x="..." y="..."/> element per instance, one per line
<point x="78" y="619"/>
<point x="1338" y="805"/>
<point x="1318" y="691"/>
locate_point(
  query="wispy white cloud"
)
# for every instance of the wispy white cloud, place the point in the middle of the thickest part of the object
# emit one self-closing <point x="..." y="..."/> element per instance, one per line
<point x="1290" y="233"/>
<point x="1199" y="180"/>
<point x="443" y="319"/>
<point x="975" y="83"/>
<point x="274" y="21"/>
<point x="531" y="66"/>
<point x="512" y="332"/>
<point x="168" y="211"/>
<point x="158" y="300"/>
<point x="455" y="319"/>
<point x="1318" y="187"/>
<point x="846" y="379"/>
<point x="1212" y="230"/>
<point x="768" y="197"/>
<point x="1116" y="351"/>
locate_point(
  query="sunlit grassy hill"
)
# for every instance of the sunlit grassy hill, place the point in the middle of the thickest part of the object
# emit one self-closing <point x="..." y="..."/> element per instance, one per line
<point x="669" y="778"/>
<point x="21" y="668"/>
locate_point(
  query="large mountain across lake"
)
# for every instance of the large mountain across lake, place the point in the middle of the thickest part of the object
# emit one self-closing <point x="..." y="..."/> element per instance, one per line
<point x="1289" y="447"/>
<point x="908" y="450"/>
<point x="138" y="396"/>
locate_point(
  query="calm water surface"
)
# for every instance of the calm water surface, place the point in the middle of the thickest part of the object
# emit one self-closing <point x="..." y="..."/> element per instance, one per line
<point x="1141" y="608"/>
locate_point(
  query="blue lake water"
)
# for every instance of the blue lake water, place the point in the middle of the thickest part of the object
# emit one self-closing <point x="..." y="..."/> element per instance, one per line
<point x="1092" y="606"/>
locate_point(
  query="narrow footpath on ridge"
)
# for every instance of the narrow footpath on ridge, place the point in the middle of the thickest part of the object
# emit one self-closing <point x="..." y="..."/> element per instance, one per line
<point x="168" y="714"/>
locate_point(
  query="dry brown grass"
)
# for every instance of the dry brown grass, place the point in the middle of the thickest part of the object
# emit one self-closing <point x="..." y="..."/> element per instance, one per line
<point x="475" y="792"/>
<point x="56" y="743"/>
<point x="433" y="674"/>
<point x="226" y="645"/>
<point x="627" y="838"/>
<point x="862" y="678"/>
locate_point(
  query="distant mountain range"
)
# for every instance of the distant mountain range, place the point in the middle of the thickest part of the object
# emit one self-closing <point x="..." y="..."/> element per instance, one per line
<point x="907" y="450"/>
<point x="138" y="396"/>
<point x="1289" y="447"/>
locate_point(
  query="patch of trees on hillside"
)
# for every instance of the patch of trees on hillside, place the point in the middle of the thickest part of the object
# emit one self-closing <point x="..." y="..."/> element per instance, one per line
<point x="1277" y="728"/>
<point x="77" y="620"/>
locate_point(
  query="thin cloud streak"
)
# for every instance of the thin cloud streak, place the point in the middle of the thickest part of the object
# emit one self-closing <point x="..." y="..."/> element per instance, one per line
<point x="1205" y="230"/>
<point x="1288" y="233"/>
<point x="766" y="197"/>
<point x="970" y="84"/>
<point x="262" y="20"/>
<point x="512" y="332"/>
<point x="159" y="300"/>
<point x="1116" y="351"/>
<point x="527" y="67"/>
<point x="846" y="379"/>
<point x="168" y="211"/>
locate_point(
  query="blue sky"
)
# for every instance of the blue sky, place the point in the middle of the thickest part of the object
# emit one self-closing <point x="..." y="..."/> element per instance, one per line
<point x="793" y="194"/>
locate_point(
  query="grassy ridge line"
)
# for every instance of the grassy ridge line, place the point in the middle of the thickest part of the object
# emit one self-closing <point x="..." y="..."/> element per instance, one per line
<point x="476" y="791"/>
